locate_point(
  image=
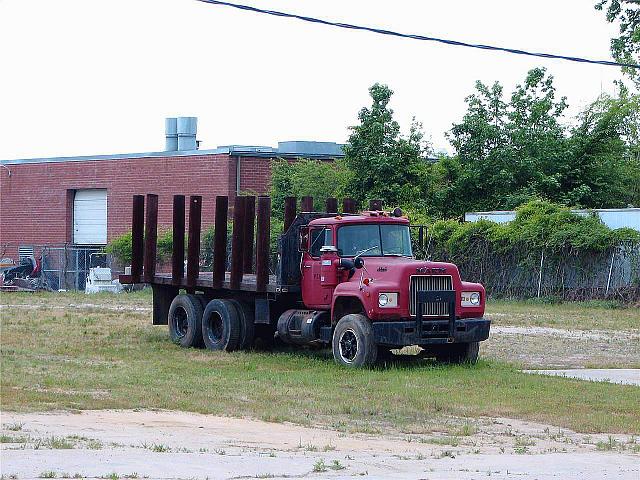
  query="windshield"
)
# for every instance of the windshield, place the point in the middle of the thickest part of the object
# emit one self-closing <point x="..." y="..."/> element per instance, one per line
<point x="377" y="240"/>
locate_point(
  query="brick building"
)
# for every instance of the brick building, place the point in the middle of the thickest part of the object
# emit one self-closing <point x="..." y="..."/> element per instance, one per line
<point x="87" y="200"/>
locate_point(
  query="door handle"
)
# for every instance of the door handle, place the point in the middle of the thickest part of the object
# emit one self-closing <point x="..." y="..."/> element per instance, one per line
<point x="307" y="266"/>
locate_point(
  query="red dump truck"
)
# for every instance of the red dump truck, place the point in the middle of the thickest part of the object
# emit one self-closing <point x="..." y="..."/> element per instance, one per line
<point x="346" y="280"/>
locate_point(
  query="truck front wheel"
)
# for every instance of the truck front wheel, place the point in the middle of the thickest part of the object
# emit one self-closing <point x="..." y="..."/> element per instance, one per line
<point x="353" y="343"/>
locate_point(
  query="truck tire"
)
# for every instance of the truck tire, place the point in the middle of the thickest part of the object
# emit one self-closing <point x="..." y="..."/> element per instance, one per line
<point x="353" y="343"/>
<point x="459" y="353"/>
<point x="203" y="301"/>
<point x="185" y="321"/>
<point x="221" y="326"/>
<point x="247" y="325"/>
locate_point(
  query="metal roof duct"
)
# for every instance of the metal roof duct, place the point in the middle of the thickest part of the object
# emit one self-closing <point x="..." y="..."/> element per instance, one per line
<point x="187" y="128"/>
<point x="171" y="134"/>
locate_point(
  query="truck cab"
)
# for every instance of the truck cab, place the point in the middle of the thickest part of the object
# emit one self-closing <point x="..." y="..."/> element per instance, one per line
<point x="365" y="294"/>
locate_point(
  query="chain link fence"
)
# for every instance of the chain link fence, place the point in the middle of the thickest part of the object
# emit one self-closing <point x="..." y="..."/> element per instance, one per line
<point x="610" y="274"/>
<point x="65" y="267"/>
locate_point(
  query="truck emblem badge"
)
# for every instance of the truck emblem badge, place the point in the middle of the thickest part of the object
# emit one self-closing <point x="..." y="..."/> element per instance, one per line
<point x="431" y="270"/>
<point x="382" y="269"/>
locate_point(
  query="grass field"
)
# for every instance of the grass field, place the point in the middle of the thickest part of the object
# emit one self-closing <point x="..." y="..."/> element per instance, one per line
<point x="596" y="315"/>
<point x="107" y="355"/>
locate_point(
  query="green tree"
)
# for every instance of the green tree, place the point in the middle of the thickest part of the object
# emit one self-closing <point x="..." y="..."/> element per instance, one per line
<point x="317" y="178"/>
<point x="626" y="47"/>
<point x="384" y="164"/>
<point x="507" y="153"/>
<point x="511" y="152"/>
<point x="606" y="153"/>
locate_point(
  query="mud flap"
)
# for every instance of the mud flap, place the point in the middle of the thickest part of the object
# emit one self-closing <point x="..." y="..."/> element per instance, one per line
<point x="163" y="295"/>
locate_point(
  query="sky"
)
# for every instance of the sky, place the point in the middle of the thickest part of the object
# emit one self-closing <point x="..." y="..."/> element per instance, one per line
<point x="85" y="77"/>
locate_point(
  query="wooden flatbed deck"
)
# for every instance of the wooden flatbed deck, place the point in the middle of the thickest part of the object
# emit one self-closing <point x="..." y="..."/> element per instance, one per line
<point x="205" y="280"/>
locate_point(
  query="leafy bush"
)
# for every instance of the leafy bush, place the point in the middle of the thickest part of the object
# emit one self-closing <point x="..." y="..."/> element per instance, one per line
<point x="120" y="247"/>
<point x="539" y="225"/>
<point x="576" y="251"/>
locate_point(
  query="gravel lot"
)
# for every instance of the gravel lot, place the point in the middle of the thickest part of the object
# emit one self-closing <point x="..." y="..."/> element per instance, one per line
<point x="160" y="445"/>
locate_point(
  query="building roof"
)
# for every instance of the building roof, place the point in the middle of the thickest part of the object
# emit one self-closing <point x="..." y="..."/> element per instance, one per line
<point x="290" y="149"/>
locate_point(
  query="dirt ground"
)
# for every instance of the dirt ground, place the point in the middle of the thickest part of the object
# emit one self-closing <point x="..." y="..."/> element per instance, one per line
<point x="158" y="445"/>
<point x="545" y="347"/>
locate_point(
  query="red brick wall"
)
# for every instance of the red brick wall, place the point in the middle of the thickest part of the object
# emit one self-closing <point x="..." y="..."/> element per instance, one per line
<point x="255" y="175"/>
<point x="35" y="205"/>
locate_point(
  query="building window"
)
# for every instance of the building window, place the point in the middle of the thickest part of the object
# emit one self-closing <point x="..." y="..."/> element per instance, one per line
<point x="25" y="251"/>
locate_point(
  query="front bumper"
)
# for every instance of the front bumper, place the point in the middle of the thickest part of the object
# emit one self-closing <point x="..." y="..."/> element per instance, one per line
<point x="421" y="332"/>
<point x="403" y="333"/>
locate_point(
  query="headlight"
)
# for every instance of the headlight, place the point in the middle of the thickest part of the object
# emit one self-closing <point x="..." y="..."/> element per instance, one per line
<point x="470" y="299"/>
<point x="383" y="299"/>
<point x="388" y="300"/>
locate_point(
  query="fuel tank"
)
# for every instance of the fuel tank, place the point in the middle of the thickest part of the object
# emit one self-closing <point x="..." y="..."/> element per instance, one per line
<point x="302" y="327"/>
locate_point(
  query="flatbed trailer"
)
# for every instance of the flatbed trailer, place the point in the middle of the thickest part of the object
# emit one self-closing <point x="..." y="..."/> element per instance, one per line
<point x="311" y="295"/>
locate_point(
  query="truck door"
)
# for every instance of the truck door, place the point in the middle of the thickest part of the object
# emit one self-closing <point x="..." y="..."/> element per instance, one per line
<point x="313" y="294"/>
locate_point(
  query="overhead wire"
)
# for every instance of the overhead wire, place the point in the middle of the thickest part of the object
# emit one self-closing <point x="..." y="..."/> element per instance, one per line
<point x="381" y="31"/>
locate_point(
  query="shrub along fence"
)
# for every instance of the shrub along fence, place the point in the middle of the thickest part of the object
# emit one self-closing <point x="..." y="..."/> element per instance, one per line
<point x="547" y="251"/>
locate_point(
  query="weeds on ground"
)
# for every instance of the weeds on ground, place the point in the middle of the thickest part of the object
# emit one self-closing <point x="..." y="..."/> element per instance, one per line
<point x="53" y="442"/>
<point x="13" y="439"/>
<point x="319" y="466"/>
<point x="14" y="427"/>
<point x="610" y="444"/>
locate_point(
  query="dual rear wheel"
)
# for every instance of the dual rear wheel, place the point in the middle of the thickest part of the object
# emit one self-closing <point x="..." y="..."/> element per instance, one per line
<point x="219" y="324"/>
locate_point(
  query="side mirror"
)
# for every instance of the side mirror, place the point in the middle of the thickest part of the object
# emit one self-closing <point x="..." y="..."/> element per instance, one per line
<point x="358" y="262"/>
<point x="303" y="240"/>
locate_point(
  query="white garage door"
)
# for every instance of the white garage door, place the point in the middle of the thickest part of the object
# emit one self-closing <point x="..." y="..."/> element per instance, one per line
<point x="90" y="217"/>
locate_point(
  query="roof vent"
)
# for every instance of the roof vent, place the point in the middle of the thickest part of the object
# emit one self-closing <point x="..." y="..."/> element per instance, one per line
<point x="187" y="128"/>
<point x="171" y="134"/>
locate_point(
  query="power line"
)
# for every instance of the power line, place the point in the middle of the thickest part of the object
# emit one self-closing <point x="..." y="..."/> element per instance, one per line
<point x="419" y="37"/>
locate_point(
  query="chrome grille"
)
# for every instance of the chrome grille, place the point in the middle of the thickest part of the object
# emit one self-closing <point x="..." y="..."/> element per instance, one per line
<point x="429" y="283"/>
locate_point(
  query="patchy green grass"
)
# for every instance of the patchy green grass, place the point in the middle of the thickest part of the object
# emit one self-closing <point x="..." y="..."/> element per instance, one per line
<point x="75" y="358"/>
<point x="592" y="315"/>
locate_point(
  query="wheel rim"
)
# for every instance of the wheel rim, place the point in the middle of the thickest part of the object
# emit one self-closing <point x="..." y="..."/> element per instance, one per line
<point x="348" y="345"/>
<point x="180" y="322"/>
<point x="216" y="328"/>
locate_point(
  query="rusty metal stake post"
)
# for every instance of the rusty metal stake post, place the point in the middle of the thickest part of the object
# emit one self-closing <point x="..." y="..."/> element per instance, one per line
<point x="177" y="253"/>
<point x="236" y="243"/>
<point x="220" y="241"/>
<point x="150" y="237"/>
<point x="137" y="238"/>
<point x="375" y="205"/>
<point x="307" y="204"/>
<point x="349" y="205"/>
<point x="249" y="223"/>
<point x="262" y="244"/>
<point x="289" y="212"/>
<point x="193" y="249"/>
